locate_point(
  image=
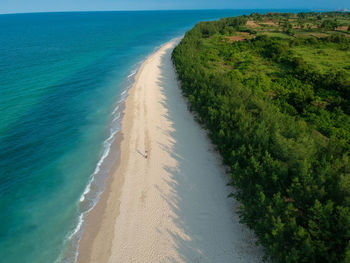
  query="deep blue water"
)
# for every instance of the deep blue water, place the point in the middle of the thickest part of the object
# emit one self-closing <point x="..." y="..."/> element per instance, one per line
<point x="61" y="77"/>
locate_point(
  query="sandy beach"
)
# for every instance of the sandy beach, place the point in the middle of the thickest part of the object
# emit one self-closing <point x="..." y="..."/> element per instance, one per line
<point x="171" y="206"/>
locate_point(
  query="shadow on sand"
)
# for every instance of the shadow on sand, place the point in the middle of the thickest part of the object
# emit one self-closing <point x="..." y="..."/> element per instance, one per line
<point x="198" y="197"/>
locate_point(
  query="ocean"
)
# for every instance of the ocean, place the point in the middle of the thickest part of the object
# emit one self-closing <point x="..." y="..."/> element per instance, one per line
<point x="63" y="77"/>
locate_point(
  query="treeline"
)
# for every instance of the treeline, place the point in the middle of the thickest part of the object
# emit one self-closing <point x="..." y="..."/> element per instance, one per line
<point x="291" y="170"/>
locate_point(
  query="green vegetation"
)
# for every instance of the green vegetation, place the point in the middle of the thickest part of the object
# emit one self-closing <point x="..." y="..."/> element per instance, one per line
<point x="274" y="92"/>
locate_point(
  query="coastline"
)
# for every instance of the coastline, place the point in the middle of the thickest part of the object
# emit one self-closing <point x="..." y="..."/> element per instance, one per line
<point x="96" y="222"/>
<point x="173" y="205"/>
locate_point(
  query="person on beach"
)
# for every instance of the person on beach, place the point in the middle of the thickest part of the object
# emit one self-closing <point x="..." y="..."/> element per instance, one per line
<point x="146" y="154"/>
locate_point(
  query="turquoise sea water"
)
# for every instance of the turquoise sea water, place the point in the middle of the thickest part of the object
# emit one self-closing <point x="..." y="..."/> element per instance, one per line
<point x="62" y="77"/>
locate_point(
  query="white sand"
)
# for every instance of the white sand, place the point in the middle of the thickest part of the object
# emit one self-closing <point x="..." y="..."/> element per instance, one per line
<point x="172" y="206"/>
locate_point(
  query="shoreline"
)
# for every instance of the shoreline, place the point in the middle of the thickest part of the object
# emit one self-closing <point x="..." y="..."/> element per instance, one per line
<point x="93" y="220"/>
<point x="149" y="211"/>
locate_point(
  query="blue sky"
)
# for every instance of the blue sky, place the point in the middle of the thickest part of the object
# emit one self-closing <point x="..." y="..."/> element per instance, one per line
<point x="19" y="6"/>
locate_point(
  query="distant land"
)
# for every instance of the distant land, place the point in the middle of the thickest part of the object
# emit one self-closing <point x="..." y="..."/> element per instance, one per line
<point x="301" y="9"/>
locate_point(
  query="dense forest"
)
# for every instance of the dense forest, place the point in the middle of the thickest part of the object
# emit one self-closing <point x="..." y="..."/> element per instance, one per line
<point x="273" y="91"/>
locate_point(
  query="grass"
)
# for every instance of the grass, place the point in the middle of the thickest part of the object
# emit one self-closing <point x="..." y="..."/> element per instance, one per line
<point x="324" y="58"/>
<point x="276" y="34"/>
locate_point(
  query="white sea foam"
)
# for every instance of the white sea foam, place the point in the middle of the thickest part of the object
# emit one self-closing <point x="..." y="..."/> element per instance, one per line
<point x="88" y="199"/>
<point x="115" y="110"/>
<point x="132" y="73"/>
<point x="117" y="117"/>
<point x="107" y="148"/>
<point x="78" y="227"/>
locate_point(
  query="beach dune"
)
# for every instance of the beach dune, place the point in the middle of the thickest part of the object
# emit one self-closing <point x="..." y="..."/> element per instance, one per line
<point x="171" y="206"/>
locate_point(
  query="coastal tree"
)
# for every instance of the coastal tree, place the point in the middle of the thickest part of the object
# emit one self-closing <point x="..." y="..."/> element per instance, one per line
<point x="283" y="128"/>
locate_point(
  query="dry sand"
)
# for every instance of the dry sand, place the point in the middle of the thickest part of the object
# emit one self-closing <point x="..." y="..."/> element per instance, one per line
<point x="171" y="206"/>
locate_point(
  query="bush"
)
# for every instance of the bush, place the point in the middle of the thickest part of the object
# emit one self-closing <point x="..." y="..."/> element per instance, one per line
<point x="329" y="24"/>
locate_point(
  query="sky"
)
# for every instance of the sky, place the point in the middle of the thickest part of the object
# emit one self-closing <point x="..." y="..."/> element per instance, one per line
<point x="24" y="6"/>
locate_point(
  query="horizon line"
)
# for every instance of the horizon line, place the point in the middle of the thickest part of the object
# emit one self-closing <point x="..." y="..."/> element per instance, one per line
<point x="155" y="10"/>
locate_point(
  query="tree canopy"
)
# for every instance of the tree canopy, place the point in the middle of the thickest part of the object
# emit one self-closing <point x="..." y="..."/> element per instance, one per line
<point x="277" y="105"/>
